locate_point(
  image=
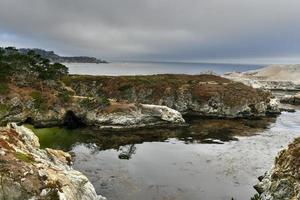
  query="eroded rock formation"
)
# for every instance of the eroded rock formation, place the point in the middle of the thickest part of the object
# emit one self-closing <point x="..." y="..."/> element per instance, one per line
<point x="28" y="172"/>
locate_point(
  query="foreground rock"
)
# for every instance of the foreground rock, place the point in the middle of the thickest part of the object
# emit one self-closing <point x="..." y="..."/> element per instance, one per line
<point x="273" y="77"/>
<point x="203" y="95"/>
<point x="28" y="172"/>
<point x="283" y="181"/>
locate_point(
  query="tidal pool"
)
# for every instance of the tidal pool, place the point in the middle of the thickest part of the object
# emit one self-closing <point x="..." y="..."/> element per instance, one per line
<point x="210" y="160"/>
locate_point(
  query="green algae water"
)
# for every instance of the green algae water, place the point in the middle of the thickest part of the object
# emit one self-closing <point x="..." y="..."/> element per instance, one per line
<point x="211" y="159"/>
<point x="60" y="138"/>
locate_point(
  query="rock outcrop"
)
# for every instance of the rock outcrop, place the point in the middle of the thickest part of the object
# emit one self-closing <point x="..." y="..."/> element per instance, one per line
<point x="291" y="99"/>
<point x="85" y="111"/>
<point x="203" y="95"/>
<point x="283" y="181"/>
<point x="28" y="172"/>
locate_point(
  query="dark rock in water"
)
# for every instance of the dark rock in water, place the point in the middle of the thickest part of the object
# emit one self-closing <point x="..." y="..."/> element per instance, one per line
<point x="290" y="110"/>
<point x="291" y="99"/>
<point x="258" y="189"/>
<point x="260" y="178"/>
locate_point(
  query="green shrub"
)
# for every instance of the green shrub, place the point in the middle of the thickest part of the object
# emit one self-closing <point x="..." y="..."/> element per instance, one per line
<point x="103" y="101"/>
<point x="87" y="103"/>
<point x="67" y="80"/>
<point x="39" y="102"/>
<point x="24" y="157"/>
<point x="124" y="87"/>
<point x="3" y="108"/>
<point x="64" y="96"/>
<point x="3" y="88"/>
<point x="95" y="102"/>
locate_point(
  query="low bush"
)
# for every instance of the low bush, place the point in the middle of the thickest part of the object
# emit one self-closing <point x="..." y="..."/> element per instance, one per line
<point x="3" y="88"/>
<point x="39" y="102"/>
<point x="64" y="96"/>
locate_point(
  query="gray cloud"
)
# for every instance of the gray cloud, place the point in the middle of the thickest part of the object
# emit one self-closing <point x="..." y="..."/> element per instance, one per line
<point x="155" y="29"/>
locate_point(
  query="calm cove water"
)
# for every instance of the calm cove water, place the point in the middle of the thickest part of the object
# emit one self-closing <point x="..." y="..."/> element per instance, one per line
<point x="147" y="68"/>
<point x="211" y="160"/>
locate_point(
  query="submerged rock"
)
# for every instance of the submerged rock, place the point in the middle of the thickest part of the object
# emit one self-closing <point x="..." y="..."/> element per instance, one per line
<point x="28" y="172"/>
<point x="283" y="181"/>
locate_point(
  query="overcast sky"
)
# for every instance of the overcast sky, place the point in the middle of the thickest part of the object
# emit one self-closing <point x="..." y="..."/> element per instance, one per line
<point x="179" y="30"/>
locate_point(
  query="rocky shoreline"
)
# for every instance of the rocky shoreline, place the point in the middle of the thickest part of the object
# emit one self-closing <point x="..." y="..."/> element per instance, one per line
<point x="28" y="172"/>
<point x="283" y="181"/>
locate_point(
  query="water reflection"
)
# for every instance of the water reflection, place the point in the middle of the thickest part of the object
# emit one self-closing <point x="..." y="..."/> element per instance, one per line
<point x="183" y="163"/>
<point x="213" y="131"/>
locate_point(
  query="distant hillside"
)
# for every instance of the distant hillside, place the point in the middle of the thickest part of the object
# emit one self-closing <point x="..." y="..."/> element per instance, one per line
<point x="63" y="59"/>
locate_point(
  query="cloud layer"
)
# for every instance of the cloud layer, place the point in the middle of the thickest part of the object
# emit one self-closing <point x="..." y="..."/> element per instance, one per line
<point x="155" y="29"/>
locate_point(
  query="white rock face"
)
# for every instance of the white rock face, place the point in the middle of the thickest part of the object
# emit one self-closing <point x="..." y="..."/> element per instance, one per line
<point x="32" y="168"/>
<point x="135" y="115"/>
<point x="164" y="112"/>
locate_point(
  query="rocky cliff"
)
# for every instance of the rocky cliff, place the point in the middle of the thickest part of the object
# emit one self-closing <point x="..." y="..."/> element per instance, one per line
<point x="283" y="181"/>
<point x="28" y="172"/>
<point x="203" y="95"/>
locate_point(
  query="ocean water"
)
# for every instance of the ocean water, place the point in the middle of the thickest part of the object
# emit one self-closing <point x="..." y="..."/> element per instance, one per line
<point x="148" y="68"/>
